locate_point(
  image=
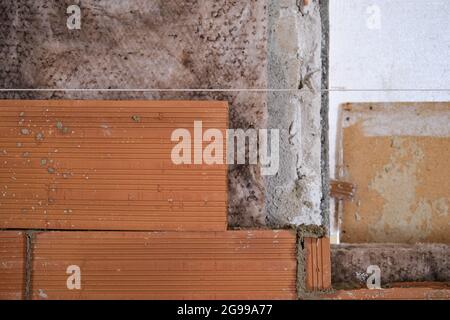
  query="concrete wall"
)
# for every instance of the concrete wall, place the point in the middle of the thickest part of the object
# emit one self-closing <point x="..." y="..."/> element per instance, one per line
<point x="294" y="194"/>
<point x="397" y="262"/>
<point x="170" y="47"/>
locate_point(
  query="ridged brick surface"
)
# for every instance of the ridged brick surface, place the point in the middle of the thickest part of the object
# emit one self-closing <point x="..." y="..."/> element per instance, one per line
<point x="106" y="165"/>
<point x="166" y="265"/>
<point x="318" y="263"/>
<point x="12" y="265"/>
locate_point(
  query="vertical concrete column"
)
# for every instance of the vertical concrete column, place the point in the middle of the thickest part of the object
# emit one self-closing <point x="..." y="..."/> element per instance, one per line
<point x="295" y="72"/>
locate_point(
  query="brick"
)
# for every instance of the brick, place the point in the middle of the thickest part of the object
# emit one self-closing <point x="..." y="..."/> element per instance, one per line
<point x="318" y="263"/>
<point x="12" y="265"/>
<point x="106" y="165"/>
<point x="166" y="265"/>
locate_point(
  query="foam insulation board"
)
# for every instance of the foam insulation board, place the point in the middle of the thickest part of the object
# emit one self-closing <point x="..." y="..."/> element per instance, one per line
<point x="165" y="265"/>
<point x="106" y="165"/>
<point x="396" y="155"/>
<point x="12" y="265"/>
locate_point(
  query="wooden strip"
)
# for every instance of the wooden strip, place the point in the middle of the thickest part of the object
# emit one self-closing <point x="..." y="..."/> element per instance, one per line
<point x="61" y="162"/>
<point x="12" y="265"/>
<point x="342" y="190"/>
<point x="166" y="265"/>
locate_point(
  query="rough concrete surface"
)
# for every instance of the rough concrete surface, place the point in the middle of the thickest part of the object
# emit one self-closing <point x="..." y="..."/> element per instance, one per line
<point x="398" y="263"/>
<point x="189" y="44"/>
<point x="294" y="194"/>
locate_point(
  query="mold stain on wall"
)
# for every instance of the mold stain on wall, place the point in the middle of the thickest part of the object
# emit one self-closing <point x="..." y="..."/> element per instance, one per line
<point x="182" y="45"/>
<point x="159" y="45"/>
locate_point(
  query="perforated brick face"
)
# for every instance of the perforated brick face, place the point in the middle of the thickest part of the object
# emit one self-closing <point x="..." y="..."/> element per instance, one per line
<point x="12" y="265"/>
<point x="106" y="165"/>
<point x="166" y="265"/>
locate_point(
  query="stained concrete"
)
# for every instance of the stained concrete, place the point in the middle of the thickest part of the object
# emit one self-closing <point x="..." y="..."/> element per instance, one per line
<point x="189" y="44"/>
<point x="294" y="194"/>
<point x="398" y="263"/>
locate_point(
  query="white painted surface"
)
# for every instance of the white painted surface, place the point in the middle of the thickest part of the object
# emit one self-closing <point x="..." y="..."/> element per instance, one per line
<point x="400" y="122"/>
<point x="407" y="48"/>
<point x="387" y="51"/>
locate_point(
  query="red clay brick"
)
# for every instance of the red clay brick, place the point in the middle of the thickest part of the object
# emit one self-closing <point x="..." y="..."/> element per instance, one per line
<point x="318" y="263"/>
<point x="111" y="168"/>
<point x="166" y="265"/>
<point x="12" y="265"/>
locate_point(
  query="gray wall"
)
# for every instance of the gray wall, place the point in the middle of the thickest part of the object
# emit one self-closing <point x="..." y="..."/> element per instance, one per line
<point x="220" y="48"/>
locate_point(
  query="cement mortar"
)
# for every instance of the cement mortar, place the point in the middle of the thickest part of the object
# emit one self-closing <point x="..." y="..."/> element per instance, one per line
<point x="294" y="194"/>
